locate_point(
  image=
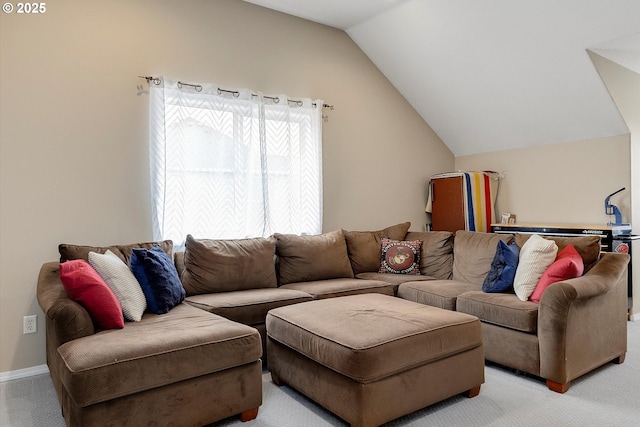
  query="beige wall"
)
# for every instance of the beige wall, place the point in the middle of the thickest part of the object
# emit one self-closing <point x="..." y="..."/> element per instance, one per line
<point x="624" y="86"/>
<point x="560" y="183"/>
<point x="73" y="134"/>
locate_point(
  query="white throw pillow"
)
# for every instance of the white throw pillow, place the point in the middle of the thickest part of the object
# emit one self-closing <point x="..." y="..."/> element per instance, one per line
<point x="536" y="255"/>
<point x="122" y="282"/>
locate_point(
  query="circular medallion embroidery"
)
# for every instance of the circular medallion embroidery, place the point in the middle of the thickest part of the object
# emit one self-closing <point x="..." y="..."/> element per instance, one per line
<point x="400" y="257"/>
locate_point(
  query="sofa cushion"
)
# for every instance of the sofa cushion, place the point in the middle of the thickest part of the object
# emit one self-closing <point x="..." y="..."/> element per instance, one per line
<point x="122" y="282"/>
<point x="71" y="251"/>
<point x="228" y="265"/>
<point x="503" y="268"/>
<point x="400" y="257"/>
<point x="568" y="264"/>
<point x="83" y="284"/>
<point x="473" y="253"/>
<point x="436" y="252"/>
<point x="587" y="246"/>
<point x="308" y="258"/>
<point x="437" y="293"/>
<point x="249" y="306"/>
<point x="160" y="349"/>
<point x="321" y="289"/>
<point x="536" y="256"/>
<point x="364" y="246"/>
<point x="500" y="309"/>
<point x="158" y="279"/>
<point x="395" y="279"/>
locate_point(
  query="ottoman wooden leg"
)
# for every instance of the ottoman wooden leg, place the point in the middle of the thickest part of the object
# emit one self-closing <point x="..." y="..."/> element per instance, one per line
<point x="472" y="392"/>
<point x="557" y="387"/>
<point x="249" y="415"/>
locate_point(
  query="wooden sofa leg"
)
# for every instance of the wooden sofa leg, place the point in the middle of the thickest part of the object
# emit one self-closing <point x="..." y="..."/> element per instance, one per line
<point x="620" y="359"/>
<point x="249" y="415"/>
<point x="473" y="392"/>
<point x="558" y="387"/>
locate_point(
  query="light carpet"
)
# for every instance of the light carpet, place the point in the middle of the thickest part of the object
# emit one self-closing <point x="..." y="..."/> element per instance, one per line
<point x="608" y="396"/>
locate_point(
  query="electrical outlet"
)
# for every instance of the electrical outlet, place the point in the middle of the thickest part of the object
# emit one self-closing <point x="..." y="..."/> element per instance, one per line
<point x="30" y="324"/>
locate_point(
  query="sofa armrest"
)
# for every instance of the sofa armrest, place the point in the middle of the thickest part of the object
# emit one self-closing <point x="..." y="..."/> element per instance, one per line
<point x="582" y="321"/>
<point x="66" y="320"/>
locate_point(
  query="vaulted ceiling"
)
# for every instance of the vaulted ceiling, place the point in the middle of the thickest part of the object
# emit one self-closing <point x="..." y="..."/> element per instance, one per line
<point x="489" y="75"/>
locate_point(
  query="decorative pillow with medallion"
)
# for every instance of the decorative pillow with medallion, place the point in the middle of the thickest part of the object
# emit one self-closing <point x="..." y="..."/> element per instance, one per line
<point x="400" y="257"/>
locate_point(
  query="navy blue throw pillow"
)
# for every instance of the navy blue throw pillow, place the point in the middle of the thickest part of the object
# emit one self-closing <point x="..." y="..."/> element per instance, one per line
<point x="503" y="268"/>
<point x="158" y="278"/>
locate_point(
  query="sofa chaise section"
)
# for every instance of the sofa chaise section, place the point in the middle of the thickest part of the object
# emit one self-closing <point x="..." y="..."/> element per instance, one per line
<point x="132" y="375"/>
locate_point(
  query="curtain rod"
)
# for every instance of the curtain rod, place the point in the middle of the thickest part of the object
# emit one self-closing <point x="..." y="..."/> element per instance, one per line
<point x="156" y="81"/>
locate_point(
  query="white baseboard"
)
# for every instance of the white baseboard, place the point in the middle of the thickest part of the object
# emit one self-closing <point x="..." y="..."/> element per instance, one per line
<point x="23" y="373"/>
<point x="635" y="317"/>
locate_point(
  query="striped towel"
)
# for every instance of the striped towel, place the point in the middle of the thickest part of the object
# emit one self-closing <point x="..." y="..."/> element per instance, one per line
<point x="479" y="201"/>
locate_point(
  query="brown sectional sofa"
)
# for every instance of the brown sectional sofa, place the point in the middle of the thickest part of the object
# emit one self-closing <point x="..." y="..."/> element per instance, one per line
<point x="201" y="362"/>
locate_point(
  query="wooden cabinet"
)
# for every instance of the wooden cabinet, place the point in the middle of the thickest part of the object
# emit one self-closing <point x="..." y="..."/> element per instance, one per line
<point x="447" y="204"/>
<point x="462" y="200"/>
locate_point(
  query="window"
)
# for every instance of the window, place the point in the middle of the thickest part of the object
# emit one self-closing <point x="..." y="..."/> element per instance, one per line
<point x="233" y="164"/>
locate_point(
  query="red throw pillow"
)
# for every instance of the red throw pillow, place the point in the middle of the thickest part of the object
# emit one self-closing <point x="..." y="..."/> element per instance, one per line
<point x="85" y="286"/>
<point x="568" y="264"/>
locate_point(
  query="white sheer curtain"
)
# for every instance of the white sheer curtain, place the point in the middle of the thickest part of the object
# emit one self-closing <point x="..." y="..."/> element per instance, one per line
<point x="233" y="164"/>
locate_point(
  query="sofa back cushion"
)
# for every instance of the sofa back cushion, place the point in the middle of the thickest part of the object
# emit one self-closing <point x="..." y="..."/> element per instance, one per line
<point x="473" y="253"/>
<point x="228" y="265"/>
<point x="436" y="253"/>
<point x="307" y="258"/>
<point x="70" y="251"/>
<point x="587" y="246"/>
<point x="365" y="247"/>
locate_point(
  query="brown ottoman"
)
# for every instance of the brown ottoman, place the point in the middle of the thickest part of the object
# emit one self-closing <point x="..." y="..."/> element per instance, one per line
<point x="372" y="358"/>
